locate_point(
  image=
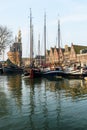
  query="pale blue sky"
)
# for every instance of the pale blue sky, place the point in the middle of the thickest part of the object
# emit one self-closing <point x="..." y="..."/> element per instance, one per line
<point x="72" y="14"/>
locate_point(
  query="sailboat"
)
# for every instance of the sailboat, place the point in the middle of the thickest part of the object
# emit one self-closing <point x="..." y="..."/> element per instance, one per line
<point x="39" y="72"/>
<point x="32" y="71"/>
<point x="47" y="72"/>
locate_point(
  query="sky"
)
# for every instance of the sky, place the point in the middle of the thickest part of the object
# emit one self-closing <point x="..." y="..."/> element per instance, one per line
<point x="15" y="14"/>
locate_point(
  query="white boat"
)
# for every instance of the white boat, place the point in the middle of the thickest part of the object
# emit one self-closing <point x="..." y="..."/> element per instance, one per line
<point x="71" y="72"/>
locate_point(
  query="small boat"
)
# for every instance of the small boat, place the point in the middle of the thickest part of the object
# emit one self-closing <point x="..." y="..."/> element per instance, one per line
<point x="74" y="73"/>
<point x="45" y="73"/>
<point x="56" y="73"/>
<point x="26" y="74"/>
<point x="73" y="76"/>
<point x="12" y="70"/>
<point x="32" y="73"/>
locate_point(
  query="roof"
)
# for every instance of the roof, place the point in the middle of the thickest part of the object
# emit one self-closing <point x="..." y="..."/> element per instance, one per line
<point x="48" y="51"/>
<point x="78" y="48"/>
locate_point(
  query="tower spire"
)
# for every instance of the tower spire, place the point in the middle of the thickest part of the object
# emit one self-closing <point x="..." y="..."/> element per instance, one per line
<point x="19" y="36"/>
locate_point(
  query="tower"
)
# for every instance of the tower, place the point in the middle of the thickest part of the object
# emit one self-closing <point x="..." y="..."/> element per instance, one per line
<point x="19" y="40"/>
<point x="15" y="53"/>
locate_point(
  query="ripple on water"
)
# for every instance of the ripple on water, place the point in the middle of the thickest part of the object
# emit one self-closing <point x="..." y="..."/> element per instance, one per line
<point x="42" y="104"/>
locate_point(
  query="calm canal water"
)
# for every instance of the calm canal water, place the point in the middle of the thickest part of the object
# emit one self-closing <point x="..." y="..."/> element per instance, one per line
<point x="41" y="104"/>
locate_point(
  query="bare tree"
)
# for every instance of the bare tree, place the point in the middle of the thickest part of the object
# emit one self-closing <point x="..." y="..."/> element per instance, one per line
<point x="5" y="38"/>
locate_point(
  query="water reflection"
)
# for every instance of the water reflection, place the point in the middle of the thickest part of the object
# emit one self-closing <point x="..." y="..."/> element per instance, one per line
<point x="41" y="101"/>
<point x="3" y="97"/>
<point x="75" y="87"/>
<point x="14" y="84"/>
<point x="42" y="104"/>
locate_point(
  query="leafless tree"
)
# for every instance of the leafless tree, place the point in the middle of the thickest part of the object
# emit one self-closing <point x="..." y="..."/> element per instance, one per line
<point x="5" y="38"/>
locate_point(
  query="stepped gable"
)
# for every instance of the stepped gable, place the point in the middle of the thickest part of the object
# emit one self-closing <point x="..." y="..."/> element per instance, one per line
<point x="52" y="49"/>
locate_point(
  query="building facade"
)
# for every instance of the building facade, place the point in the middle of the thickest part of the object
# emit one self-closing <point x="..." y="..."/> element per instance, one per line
<point x="75" y="53"/>
<point x="15" y="52"/>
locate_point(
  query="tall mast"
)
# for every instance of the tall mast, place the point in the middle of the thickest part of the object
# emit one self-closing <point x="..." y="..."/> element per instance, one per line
<point x="32" y="41"/>
<point x="39" y="49"/>
<point x="39" y="45"/>
<point x="59" y="40"/>
<point x="31" y="37"/>
<point x="45" y="36"/>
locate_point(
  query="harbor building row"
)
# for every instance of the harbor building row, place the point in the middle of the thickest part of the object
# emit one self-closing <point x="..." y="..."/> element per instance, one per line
<point x="65" y="56"/>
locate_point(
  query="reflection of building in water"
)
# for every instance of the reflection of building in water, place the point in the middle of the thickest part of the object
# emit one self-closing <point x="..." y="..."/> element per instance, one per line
<point x="73" y="87"/>
<point x="76" y="87"/>
<point x="14" y="82"/>
<point x="75" y="83"/>
<point x="54" y="85"/>
<point x="32" y="82"/>
<point x="15" y="87"/>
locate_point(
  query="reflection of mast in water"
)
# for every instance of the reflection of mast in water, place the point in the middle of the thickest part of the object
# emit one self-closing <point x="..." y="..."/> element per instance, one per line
<point x="33" y="96"/>
<point x="32" y="106"/>
<point x="55" y="87"/>
<point x="45" y="110"/>
<point x="57" y="90"/>
<point x="58" y="98"/>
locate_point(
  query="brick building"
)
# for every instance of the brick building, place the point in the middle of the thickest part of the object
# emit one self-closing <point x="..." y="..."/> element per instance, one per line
<point x="75" y="53"/>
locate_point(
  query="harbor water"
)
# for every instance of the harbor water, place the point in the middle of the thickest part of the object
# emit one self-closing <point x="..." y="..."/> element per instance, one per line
<point x="42" y="104"/>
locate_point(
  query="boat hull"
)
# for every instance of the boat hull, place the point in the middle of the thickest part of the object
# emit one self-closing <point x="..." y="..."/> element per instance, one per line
<point x="1" y="70"/>
<point x="74" y="76"/>
<point x="32" y="73"/>
<point x="45" y="74"/>
<point x="12" y="70"/>
<point x="52" y="73"/>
